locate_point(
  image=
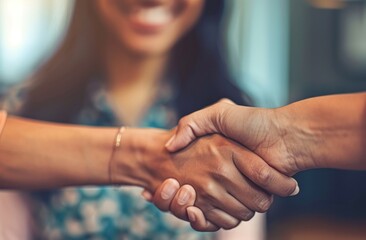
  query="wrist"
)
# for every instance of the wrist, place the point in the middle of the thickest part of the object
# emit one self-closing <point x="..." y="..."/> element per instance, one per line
<point x="141" y="158"/>
<point x="297" y="136"/>
<point x="98" y="143"/>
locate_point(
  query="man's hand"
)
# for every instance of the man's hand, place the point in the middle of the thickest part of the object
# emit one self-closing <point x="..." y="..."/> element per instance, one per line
<point x="320" y="132"/>
<point x="262" y="131"/>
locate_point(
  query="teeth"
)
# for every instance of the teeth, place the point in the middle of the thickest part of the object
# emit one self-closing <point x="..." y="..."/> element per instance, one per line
<point x="156" y="15"/>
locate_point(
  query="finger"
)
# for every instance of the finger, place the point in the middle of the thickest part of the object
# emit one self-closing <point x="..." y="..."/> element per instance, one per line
<point x="183" y="136"/>
<point x="236" y="193"/>
<point x="185" y="197"/>
<point x="233" y="207"/>
<point x="200" y="123"/>
<point x="248" y="195"/>
<point x="199" y="222"/>
<point x="266" y="177"/>
<point x="221" y="218"/>
<point x="165" y="193"/>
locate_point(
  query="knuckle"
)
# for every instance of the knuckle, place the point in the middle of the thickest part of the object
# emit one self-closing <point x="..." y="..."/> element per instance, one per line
<point x="223" y="102"/>
<point x="183" y="121"/>
<point x="205" y="193"/>
<point x="221" y="170"/>
<point x="220" y="103"/>
<point x="208" y="189"/>
<point x="264" y="176"/>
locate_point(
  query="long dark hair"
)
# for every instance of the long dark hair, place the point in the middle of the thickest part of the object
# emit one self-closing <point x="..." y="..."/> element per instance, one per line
<point x="58" y="88"/>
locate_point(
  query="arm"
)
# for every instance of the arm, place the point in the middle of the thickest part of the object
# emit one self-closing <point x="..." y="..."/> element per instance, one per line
<point x="332" y="129"/>
<point x="328" y="131"/>
<point x="38" y="155"/>
<point x="35" y="155"/>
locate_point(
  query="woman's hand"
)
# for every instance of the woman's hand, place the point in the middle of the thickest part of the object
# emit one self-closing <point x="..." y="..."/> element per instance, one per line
<point x="224" y="195"/>
<point x="169" y="196"/>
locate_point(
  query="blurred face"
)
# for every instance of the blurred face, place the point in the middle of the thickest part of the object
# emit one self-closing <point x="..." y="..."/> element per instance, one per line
<point x="148" y="27"/>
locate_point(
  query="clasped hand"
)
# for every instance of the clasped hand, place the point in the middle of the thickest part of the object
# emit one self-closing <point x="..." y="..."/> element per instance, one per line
<point x="229" y="164"/>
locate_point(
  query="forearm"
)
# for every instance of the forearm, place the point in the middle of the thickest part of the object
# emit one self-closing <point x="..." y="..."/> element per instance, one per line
<point x="328" y="131"/>
<point x="35" y="155"/>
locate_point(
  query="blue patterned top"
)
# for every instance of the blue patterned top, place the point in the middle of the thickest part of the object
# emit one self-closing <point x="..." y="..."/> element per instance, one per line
<point x="104" y="212"/>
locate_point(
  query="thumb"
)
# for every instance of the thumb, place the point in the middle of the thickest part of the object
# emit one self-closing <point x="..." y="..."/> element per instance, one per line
<point x="190" y="128"/>
<point x="197" y="124"/>
<point x="183" y="136"/>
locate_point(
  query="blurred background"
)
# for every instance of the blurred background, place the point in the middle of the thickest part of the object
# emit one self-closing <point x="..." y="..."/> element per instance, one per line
<point x="279" y="51"/>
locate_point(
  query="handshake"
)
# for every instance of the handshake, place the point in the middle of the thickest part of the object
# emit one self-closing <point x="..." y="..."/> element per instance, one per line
<point x="222" y="164"/>
<point x="218" y="167"/>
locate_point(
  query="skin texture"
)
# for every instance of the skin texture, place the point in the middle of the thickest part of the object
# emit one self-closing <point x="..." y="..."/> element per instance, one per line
<point x="320" y="132"/>
<point x="226" y="195"/>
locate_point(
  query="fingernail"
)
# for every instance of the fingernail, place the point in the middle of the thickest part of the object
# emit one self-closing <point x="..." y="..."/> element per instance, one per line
<point x="167" y="192"/>
<point x="297" y="190"/>
<point x="183" y="197"/>
<point x="264" y="205"/>
<point x="170" y="141"/>
<point x="191" y="215"/>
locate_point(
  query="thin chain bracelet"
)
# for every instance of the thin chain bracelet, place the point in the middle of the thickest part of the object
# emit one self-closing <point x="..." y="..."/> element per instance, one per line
<point x="116" y="145"/>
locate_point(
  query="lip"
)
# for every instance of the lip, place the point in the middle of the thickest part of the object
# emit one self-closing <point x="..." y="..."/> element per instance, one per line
<point x="150" y="20"/>
<point x="149" y="17"/>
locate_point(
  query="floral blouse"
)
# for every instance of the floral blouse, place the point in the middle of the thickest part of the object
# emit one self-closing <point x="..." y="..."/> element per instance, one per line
<point x="106" y="212"/>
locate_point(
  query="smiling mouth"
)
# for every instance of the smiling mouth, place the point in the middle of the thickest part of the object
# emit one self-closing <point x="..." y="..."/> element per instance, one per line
<point x="150" y="18"/>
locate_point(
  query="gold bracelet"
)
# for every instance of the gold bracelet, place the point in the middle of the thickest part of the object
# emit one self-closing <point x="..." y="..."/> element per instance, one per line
<point x="116" y="144"/>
